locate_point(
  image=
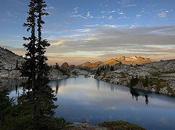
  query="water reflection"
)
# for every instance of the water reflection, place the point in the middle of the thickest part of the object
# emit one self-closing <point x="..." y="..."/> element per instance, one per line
<point x="135" y="95"/>
<point x="146" y="99"/>
<point x="57" y="87"/>
<point x="98" y="84"/>
<point x="11" y="84"/>
<point x="134" y="92"/>
<point x="86" y="99"/>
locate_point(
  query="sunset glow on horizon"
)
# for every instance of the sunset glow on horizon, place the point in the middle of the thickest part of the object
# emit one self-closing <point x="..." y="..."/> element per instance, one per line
<point x="84" y="30"/>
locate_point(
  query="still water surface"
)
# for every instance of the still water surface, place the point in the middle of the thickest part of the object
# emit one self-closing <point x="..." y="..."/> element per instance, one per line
<point x="89" y="100"/>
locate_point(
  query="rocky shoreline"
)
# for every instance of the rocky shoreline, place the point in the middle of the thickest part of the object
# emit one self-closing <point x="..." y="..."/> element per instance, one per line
<point x="157" y="77"/>
<point x="114" y="125"/>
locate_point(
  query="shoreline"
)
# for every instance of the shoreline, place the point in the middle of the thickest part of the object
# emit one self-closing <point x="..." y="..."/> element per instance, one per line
<point x="89" y="126"/>
<point x="110" y="125"/>
<point x="156" y="77"/>
<point x="18" y="80"/>
<point x="137" y="87"/>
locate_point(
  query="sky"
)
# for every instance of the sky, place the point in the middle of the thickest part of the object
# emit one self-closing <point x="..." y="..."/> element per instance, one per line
<point x="90" y="30"/>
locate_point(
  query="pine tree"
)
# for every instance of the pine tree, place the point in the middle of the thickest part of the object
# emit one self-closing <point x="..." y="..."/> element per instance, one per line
<point x="39" y="96"/>
<point x="57" y="67"/>
<point x="45" y="104"/>
<point x="5" y="106"/>
<point x="29" y="66"/>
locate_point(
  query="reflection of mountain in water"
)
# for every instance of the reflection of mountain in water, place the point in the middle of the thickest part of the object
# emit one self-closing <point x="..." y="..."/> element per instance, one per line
<point x="15" y="85"/>
<point x="96" y="101"/>
<point x="134" y="92"/>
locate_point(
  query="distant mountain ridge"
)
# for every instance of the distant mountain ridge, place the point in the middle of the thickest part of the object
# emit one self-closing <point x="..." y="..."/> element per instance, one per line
<point x="128" y="60"/>
<point x="91" y="65"/>
<point x="121" y="59"/>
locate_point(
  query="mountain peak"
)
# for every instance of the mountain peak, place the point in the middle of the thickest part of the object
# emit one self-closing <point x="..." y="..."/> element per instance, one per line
<point x="128" y="60"/>
<point x="133" y="60"/>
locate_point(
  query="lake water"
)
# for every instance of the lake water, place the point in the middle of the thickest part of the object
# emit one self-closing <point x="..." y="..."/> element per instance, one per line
<point x="89" y="100"/>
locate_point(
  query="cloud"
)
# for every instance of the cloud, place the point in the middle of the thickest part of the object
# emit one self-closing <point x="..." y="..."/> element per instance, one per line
<point x="79" y="16"/>
<point x="89" y="15"/>
<point x="106" y="40"/>
<point x="121" y="13"/>
<point x="163" y="14"/>
<point x="58" y="43"/>
<point x="110" y="17"/>
<point x="86" y="16"/>
<point x="51" y="9"/>
<point x="101" y="42"/>
<point x="76" y="14"/>
<point x="138" y="15"/>
<point x="75" y="10"/>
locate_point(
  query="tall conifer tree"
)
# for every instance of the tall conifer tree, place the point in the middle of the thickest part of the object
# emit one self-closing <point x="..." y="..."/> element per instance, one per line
<point x="39" y="95"/>
<point x="29" y="66"/>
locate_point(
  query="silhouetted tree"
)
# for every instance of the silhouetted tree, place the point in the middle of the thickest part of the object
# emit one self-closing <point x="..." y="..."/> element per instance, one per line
<point x="29" y="66"/>
<point x="133" y="81"/>
<point x="112" y="68"/>
<point x="146" y="82"/>
<point x="39" y="95"/>
<point x="17" y="65"/>
<point x="45" y="97"/>
<point x="5" y="106"/>
<point x="57" y="67"/>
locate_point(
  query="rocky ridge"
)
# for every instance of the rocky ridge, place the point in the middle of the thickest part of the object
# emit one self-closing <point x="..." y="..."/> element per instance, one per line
<point x="89" y="65"/>
<point x="9" y="64"/>
<point x="156" y="77"/>
<point x="8" y="59"/>
<point x="134" y="60"/>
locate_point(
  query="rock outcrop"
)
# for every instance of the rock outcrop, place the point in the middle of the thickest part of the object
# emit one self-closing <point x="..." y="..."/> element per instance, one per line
<point x="9" y="64"/>
<point x="156" y="77"/>
<point x="63" y="71"/>
<point x="8" y="59"/>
